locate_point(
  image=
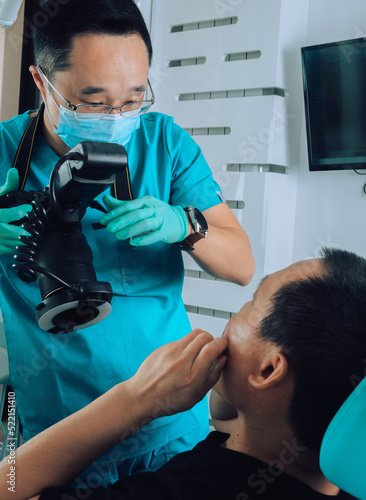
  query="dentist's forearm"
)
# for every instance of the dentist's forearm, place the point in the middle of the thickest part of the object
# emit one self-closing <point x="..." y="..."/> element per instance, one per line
<point x="226" y="252"/>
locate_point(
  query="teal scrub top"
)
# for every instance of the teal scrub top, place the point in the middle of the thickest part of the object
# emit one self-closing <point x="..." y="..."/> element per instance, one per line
<point x="55" y="375"/>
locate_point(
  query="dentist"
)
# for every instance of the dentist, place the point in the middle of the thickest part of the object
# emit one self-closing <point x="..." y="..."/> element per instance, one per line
<point x="91" y="67"/>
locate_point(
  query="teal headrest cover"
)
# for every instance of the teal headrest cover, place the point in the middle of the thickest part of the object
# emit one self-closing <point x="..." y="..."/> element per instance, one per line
<point x="343" y="449"/>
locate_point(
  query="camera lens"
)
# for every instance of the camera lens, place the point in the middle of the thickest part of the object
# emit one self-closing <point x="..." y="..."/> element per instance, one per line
<point x="73" y="316"/>
<point x="64" y="311"/>
<point x="66" y="254"/>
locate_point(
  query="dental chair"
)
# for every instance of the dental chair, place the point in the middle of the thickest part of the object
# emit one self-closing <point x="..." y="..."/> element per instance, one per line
<point x="343" y="449"/>
<point x="9" y="435"/>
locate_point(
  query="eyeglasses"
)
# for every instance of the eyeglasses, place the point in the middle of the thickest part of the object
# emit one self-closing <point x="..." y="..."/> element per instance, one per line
<point x="83" y="111"/>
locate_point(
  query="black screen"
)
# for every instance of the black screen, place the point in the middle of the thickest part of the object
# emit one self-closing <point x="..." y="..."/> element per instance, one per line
<point x="334" y="76"/>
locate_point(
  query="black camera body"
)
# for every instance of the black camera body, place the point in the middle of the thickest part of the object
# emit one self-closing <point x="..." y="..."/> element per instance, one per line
<point x="57" y="251"/>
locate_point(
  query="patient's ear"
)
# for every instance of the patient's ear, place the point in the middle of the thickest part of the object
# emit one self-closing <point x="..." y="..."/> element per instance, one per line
<point x="272" y="369"/>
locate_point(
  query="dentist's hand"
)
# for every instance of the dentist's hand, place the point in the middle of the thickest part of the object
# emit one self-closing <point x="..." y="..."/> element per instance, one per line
<point x="145" y="220"/>
<point x="9" y="234"/>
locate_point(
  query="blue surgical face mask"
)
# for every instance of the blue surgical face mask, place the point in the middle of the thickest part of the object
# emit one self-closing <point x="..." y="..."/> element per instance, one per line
<point x="112" y="128"/>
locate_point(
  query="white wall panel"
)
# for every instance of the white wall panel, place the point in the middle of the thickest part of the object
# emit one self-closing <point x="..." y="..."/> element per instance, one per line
<point x="253" y="120"/>
<point x="255" y="137"/>
<point x="243" y="136"/>
<point x="218" y="295"/>
<point x="215" y="326"/>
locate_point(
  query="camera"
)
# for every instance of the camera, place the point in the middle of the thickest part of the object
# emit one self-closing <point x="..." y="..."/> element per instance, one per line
<point x="57" y="251"/>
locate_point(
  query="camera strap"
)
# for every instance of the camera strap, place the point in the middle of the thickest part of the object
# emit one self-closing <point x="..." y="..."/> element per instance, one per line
<point x="23" y="155"/>
<point x="121" y="189"/>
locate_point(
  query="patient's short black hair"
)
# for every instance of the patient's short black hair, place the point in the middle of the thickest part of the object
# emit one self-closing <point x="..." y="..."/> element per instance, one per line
<point x="320" y="323"/>
<point x="64" y="20"/>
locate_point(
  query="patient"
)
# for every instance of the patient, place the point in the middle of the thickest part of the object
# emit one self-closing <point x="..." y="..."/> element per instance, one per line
<point x="284" y="365"/>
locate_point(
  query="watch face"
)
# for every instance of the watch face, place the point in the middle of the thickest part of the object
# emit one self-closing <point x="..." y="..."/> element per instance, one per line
<point x="200" y="219"/>
<point x="200" y="226"/>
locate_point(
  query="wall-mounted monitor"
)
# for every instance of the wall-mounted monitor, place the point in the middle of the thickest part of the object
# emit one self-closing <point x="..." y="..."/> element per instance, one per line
<point x="334" y="77"/>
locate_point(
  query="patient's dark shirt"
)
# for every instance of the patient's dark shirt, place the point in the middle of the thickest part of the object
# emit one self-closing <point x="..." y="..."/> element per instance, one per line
<point x="209" y="471"/>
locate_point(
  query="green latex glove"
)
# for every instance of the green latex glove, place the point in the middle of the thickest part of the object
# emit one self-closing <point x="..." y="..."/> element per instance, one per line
<point x="145" y="220"/>
<point x="9" y="234"/>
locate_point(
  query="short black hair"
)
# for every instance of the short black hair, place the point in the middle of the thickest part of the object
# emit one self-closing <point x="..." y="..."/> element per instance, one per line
<point x="320" y="324"/>
<point x="65" y="20"/>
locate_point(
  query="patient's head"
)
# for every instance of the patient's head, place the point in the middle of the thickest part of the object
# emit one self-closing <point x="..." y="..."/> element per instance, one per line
<point x="300" y="345"/>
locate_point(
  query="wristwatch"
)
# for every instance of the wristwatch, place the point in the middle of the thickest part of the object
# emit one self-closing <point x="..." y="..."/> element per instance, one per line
<point x="200" y="228"/>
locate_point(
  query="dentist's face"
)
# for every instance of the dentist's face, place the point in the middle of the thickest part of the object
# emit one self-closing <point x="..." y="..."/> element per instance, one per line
<point x="105" y="69"/>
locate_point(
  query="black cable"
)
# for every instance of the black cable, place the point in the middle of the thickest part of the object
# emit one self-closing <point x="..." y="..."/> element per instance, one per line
<point x="26" y="255"/>
<point x="75" y="289"/>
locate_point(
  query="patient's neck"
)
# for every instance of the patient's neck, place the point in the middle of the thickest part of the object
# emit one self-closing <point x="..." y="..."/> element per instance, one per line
<point x="276" y="445"/>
